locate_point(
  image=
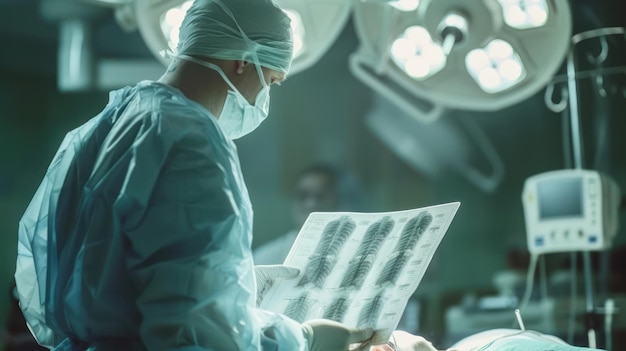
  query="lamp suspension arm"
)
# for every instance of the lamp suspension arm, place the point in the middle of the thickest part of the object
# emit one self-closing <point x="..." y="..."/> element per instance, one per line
<point x="389" y="17"/>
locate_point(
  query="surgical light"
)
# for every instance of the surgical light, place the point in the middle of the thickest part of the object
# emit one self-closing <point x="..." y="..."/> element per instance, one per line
<point x="524" y="14"/>
<point x="171" y="21"/>
<point x="510" y="69"/>
<point x="298" y="32"/>
<point x="405" y="5"/>
<point x="416" y="53"/>
<point x="495" y="67"/>
<point x="489" y="79"/>
<point x="479" y="55"/>
<point x="315" y="25"/>
<point x="417" y="67"/>
<point x="418" y="35"/>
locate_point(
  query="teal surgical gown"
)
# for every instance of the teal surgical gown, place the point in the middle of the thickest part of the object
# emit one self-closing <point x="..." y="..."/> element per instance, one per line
<point x="138" y="237"/>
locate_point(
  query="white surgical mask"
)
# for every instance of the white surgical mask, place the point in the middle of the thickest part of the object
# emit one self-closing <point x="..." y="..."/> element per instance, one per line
<point x="238" y="116"/>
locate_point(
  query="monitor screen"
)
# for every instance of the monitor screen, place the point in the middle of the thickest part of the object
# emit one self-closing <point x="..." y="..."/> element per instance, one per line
<point x="560" y="198"/>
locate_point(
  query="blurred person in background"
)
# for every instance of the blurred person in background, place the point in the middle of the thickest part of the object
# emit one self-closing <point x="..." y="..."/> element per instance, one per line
<point x="320" y="187"/>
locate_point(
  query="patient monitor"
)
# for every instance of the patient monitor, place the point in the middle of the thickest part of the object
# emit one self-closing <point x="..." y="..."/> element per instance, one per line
<point x="570" y="210"/>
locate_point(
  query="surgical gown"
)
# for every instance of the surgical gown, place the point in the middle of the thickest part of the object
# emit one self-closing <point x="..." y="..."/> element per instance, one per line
<point x="138" y="237"/>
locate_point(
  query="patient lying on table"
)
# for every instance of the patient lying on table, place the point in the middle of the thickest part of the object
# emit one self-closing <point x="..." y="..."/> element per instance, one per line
<point x="491" y="340"/>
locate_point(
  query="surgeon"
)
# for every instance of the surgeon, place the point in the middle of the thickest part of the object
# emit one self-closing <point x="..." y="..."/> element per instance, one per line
<point x="138" y="237"/>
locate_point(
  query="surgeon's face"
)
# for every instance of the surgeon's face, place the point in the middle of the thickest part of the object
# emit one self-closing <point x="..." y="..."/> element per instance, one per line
<point x="250" y="84"/>
<point x="314" y="193"/>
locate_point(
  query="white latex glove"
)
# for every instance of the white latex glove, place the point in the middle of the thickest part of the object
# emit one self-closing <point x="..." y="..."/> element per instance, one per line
<point x="328" y="335"/>
<point x="267" y="275"/>
<point x="403" y="341"/>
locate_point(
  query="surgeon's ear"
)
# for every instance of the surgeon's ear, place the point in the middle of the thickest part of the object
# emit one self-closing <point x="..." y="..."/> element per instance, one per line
<point x="240" y="66"/>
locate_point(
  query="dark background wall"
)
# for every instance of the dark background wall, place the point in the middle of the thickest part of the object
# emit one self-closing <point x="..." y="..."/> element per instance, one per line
<point x="318" y="114"/>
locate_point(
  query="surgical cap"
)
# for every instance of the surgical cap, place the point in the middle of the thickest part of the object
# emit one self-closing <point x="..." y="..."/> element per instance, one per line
<point x="252" y="30"/>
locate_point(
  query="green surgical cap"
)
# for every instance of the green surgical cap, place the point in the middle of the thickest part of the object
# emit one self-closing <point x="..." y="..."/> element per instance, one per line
<point x="251" y="30"/>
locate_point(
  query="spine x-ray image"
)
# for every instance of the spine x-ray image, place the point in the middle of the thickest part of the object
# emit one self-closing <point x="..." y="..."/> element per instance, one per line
<point x="298" y="308"/>
<point x="365" y="255"/>
<point x="321" y="263"/>
<point x="370" y="312"/>
<point x="411" y="233"/>
<point x="337" y="309"/>
<point x="359" y="268"/>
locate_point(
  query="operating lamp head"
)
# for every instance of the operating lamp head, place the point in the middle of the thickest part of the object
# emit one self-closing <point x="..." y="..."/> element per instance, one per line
<point x="487" y="54"/>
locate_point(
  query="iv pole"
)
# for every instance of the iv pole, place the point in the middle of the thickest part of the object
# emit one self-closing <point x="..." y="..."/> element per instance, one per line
<point x="577" y="145"/>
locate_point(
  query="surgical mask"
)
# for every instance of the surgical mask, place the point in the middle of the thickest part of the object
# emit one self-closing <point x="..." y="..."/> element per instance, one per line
<point x="238" y="116"/>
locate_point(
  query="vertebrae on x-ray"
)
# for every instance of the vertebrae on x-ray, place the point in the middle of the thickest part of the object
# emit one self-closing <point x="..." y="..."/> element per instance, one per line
<point x="298" y="308"/>
<point x="365" y="255"/>
<point x="337" y="309"/>
<point x="411" y="233"/>
<point x="369" y="313"/>
<point x="322" y="261"/>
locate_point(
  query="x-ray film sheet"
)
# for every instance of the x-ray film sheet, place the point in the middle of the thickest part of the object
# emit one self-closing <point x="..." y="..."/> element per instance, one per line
<point x="359" y="268"/>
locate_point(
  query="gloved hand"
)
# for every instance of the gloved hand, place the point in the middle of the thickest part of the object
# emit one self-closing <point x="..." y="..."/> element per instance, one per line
<point x="267" y="275"/>
<point x="327" y="335"/>
<point x="403" y="341"/>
